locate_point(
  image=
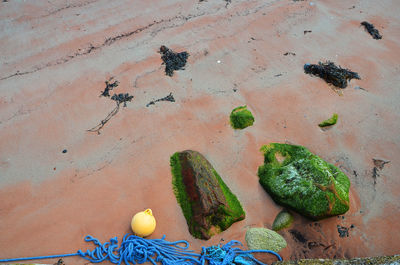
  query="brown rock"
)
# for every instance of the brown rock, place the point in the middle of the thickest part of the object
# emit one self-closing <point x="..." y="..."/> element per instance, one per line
<point x="207" y="203"/>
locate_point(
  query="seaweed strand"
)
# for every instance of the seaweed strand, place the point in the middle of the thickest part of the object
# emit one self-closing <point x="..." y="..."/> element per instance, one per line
<point x="118" y="98"/>
<point x="371" y="30"/>
<point x="331" y="73"/>
<point x="169" y="98"/>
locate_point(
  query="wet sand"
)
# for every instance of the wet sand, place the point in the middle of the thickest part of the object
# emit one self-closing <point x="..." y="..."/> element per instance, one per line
<point x="56" y="57"/>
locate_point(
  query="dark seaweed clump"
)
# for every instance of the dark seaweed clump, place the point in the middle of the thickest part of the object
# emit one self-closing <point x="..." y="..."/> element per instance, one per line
<point x="110" y="84"/>
<point x="331" y="73"/>
<point x="122" y="98"/>
<point x="298" y="236"/>
<point x="371" y="30"/>
<point x="172" y="60"/>
<point x="343" y="231"/>
<point x="169" y="98"/>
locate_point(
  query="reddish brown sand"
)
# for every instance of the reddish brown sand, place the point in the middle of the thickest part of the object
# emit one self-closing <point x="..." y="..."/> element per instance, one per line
<point x="55" y="58"/>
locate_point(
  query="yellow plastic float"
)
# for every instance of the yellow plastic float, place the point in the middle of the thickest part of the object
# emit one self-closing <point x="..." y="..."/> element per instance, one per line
<point x="143" y="223"/>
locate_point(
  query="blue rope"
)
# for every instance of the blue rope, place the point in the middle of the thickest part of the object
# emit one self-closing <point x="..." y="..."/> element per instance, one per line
<point x="137" y="250"/>
<point x="39" y="257"/>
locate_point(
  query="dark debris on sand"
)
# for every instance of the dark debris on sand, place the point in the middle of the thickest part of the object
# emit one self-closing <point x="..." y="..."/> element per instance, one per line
<point x="331" y="73"/>
<point x="371" y="30"/>
<point x="172" y="60"/>
<point x="289" y="53"/>
<point x="169" y="98"/>
<point x="379" y="163"/>
<point x="298" y="236"/>
<point x="344" y="231"/>
<point x="122" y="98"/>
<point x="378" y="166"/>
<point x="59" y="262"/>
<point x="110" y="84"/>
<point x="118" y="98"/>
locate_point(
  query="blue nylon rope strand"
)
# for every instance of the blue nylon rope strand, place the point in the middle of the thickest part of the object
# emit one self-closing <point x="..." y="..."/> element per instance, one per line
<point x="40" y="257"/>
<point x="136" y="250"/>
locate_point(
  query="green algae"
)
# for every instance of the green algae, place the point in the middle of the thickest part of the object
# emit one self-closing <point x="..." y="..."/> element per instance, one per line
<point x="302" y="181"/>
<point x="235" y="211"/>
<point x="225" y="216"/>
<point x="241" y="118"/>
<point x="179" y="187"/>
<point x="283" y="220"/>
<point x="330" y="121"/>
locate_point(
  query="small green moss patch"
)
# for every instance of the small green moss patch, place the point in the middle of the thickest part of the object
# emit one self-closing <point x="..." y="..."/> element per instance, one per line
<point x="330" y="121"/>
<point x="241" y="118"/>
<point x="179" y="187"/>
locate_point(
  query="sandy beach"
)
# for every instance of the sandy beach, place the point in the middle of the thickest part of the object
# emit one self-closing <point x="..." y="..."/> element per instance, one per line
<point x="59" y="182"/>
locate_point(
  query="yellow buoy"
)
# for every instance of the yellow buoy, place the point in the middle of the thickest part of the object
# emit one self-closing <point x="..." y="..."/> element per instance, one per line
<point x="143" y="223"/>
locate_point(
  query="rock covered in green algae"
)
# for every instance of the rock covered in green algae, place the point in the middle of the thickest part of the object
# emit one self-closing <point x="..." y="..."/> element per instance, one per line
<point x="283" y="220"/>
<point x="302" y="181"/>
<point x="207" y="203"/>
<point x="263" y="238"/>
<point x="241" y="118"/>
<point x="383" y="260"/>
<point x="330" y="121"/>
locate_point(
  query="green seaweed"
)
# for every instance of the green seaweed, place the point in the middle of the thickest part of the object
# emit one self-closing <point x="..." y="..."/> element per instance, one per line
<point x="330" y="121"/>
<point x="235" y="211"/>
<point x="303" y="181"/>
<point x="179" y="188"/>
<point x="241" y="118"/>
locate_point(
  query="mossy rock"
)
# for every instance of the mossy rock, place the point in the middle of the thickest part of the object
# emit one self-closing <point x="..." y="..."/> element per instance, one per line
<point x="206" y="201"/>
<point x="263" y="238"/>
<point x="241" y="118"/>
<point x="329" y="122"/>
<point x="302" y="181"/>
<point x="283" y="220"/>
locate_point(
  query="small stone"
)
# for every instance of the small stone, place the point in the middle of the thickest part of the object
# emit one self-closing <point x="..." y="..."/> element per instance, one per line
<point x="283" y="220"/>
<point x="263" y="238"/>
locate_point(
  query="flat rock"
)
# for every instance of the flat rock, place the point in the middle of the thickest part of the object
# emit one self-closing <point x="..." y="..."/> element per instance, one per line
<point x="381" y="260"/>
<point x="207" y="203"/>
<point x="263" y="238"/>
<point x="302" y="181"/>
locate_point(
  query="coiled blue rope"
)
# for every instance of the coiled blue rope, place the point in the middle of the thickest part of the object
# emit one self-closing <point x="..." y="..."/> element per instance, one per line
<point x="137" y="250"/>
